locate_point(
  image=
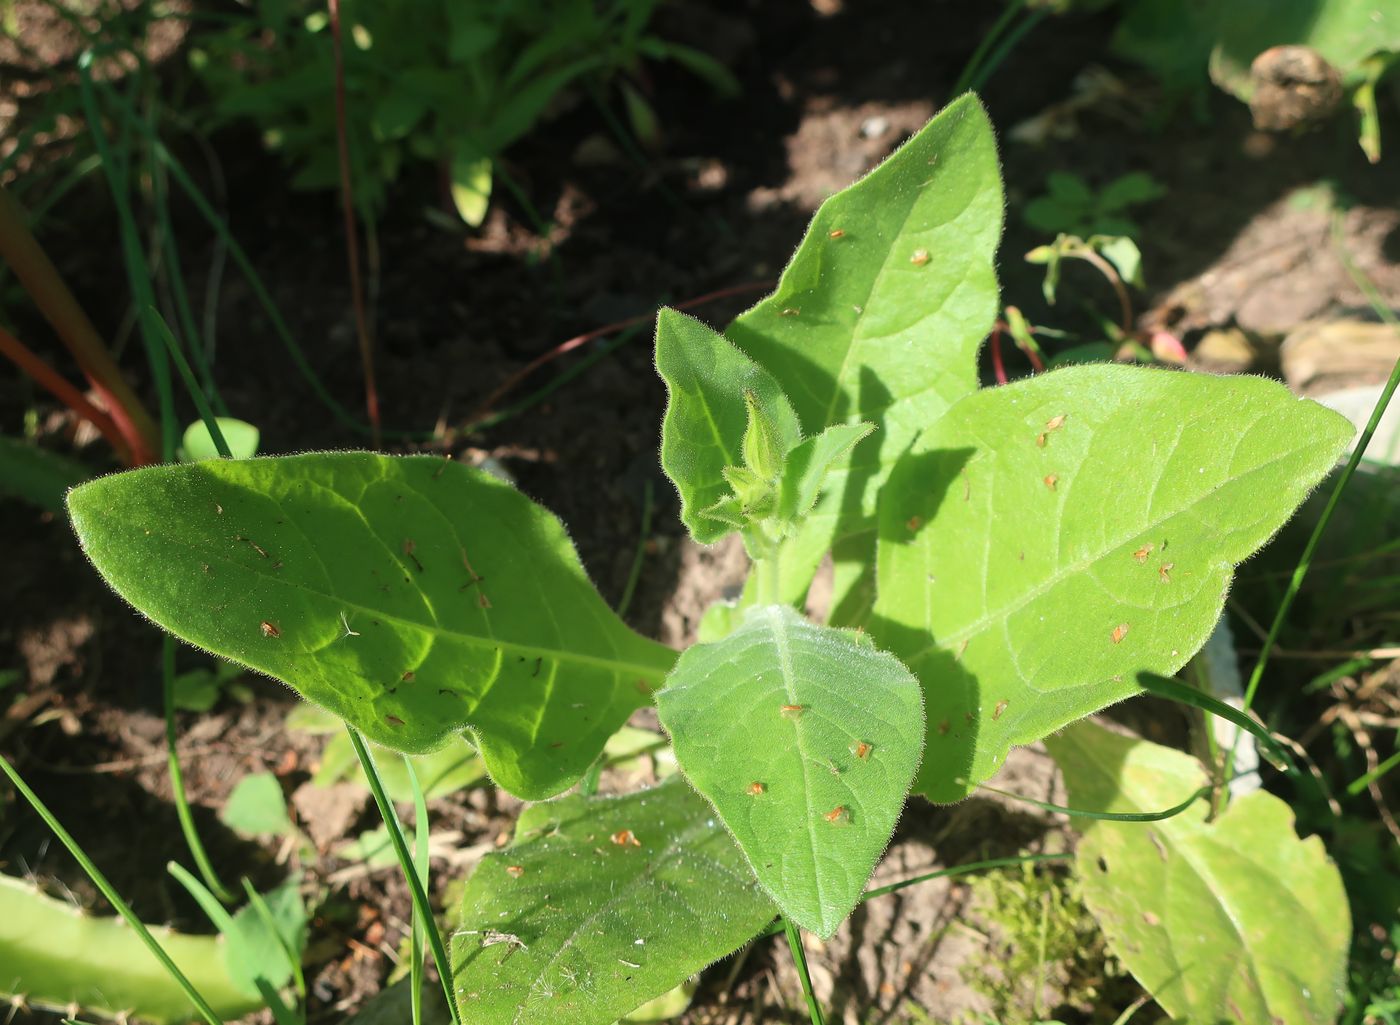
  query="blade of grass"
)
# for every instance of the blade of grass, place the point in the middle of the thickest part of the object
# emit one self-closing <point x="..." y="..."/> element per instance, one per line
<point x="177" y="778"/>
<point x="1295" y="582"/>
<point x="223" y="921"/>
<point x="255" y="282"/>
<point x="269" y="921"/>
<point x="415" y="885"/>
<point x="352" y="241"/>
<point x="794" y="938"/>
<point x="137" y="270"/>
<point x="1359" y="784"/>
<point x="420" y="865"/>
<point x="635" y="573"/>
<point x="100" y="881"/>
<point x="206" y="414"/>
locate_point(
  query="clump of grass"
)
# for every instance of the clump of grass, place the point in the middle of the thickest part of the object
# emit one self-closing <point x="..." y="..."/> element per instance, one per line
<point x="1045" y="953"/>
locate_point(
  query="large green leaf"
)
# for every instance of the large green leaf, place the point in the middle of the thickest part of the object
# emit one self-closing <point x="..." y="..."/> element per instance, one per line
<point x="878" y="319"/>
<point x="412" y="597"/>
<point x="707" y="379"/>
<point x="805" y="739"/>
<point x="1233" y="920"/>
<point x="1049" y="539"/>
<point x="37" y="475"/>
<point x="600" y="905"/>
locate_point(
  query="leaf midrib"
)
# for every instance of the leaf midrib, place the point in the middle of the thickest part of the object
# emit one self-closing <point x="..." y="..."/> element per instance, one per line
<point x="1015" y="605"/>
<point x="471" y="640"/>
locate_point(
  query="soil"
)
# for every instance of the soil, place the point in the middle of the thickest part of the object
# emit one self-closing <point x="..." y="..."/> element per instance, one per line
<point x="829" y="90"/>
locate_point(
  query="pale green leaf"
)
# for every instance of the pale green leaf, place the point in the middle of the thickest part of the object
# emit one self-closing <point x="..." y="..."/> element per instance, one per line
<point x="805" y="739"/>
<point x="1051" y="538"/>
<point x="600" y="905"/>
<point x="811" y="463"/>
<point x="878" y="319"/>
<point x="257" y="807"/>
<point x="1232" y="920"/>
<point x="706" y="416"/>
<point x="412" y="597"/>
<point x="240" y="436"/>
<point x="36" y="475"/>
<point x="57" y="956"/>
<point x="471" y="186"/>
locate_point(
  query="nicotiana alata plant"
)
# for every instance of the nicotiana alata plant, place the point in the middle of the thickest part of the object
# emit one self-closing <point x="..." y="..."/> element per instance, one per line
<point x="1007" y="561"/>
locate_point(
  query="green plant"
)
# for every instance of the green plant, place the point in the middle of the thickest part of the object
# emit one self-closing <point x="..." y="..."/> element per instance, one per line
<point x="1071" y="207"/>
<point x="454" y="83"/>
<point x="1209" y="914"/>
<point x="1008" y="560"/>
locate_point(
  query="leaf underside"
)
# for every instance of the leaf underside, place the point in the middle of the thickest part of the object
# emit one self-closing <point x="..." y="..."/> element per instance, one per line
<point x="413" y="598"/>
<point x="600" y="905"/>
<point x="1051" y="538"/>
<point x="1235" y="919"/>
<point x="805" y="739"/>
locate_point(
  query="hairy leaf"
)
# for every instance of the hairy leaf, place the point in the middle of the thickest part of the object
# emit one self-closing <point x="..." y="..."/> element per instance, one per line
<point x="805" y="739"/>
<point x="56" y="956"/>
<point x="411" y="597"/>
<point x="600" y="905"/>
<point x="878" y="319"/>
<point x="707" y="380"/>
<point x="1231" y="920"/>
<point x="1051" y="538"/>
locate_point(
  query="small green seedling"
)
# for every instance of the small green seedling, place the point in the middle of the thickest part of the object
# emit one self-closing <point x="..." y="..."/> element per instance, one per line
<point x="1007" y="560"/>
<point x="1071" y="206"/>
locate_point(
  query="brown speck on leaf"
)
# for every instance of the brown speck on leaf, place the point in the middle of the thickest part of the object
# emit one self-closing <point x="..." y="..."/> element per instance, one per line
<point x="836" y="233"/>
<point x="515" y="871"/>
<point x="269" y="629"/>
<point x="643" y="687"/>
<point x="1040" y="440"/>
<point x="1054" y="423"/>
<point x="757" y="789"/>
<point x="408" y="676"/>
<point x="625" y="838"/>
<point x="914" y="524"/>
<point x="249" y="542"/>
<point x="1051" y="480"/>
<point x="1001" y="707"/>
<point x="482" y="601"/>
<point x="218" y="508"/>
<point x="539" y="662"/>
<point x="393" y="720"/>
<point x="1119" y="632"/>
<point x="962" y="648"/>
<point x="1150" y="919"/>
<point x="970" y="718"/>
<point x="792" y="711"/>
<point x="1165" y="571"/>
<point x="790" y="311"/>
<point x="838" y="816"/>
<point x="205" y="566"/>
<point x="860" y="749"/>
<point x="920" y="257"/>
<point x="408" y="548"/>
<point x="944" y="727"/>
<point x="1142" y="553"/>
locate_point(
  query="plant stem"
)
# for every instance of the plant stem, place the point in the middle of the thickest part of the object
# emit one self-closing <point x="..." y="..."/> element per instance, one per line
<point x="352" y="241"/>
<point x="794" y="938"/>
<point x="410" y="873"/>
<point x="22" y="253"/>
<point x="100" y="881"/>
<point x="177" y="779"/>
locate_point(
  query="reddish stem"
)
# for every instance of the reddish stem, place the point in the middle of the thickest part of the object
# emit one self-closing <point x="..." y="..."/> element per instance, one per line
<point x="22" y="252"/>
<point x="510" y="383"/>
<point x="352" y="241"/>
<point x="997" y="368"/>
<point x="16" y="351"/>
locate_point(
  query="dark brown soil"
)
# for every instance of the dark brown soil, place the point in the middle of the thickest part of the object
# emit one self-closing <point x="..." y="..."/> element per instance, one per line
<point x="826" y="95"/>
